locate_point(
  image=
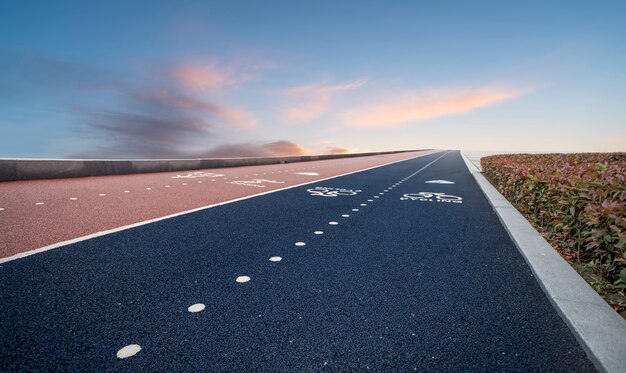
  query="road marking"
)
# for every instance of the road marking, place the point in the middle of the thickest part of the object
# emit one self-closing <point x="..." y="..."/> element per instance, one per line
<point x="370" y="200"/>
<point x="439" y="182"/>
<point x="1" y="208"/>
<point x="150" y="221"/>
<point x="363" y="204"/>
<point x="196" y="174"/>
<point x="355" y="209"/>
<point x="345" y="216"/>
<point x="258" y="183"/>
<point x="318" y="232"/>
<point x="128" y="351"/>
<point x="242" y="279"/>
<point x="151" y="188"/>
<point x="127" y="191"/>
<point x="38" y="203"/>
<point x="196" y="308"/>
<point x="332" y="192"/>
<point x="431" y="197"/>
<point x="102" y="194"/>
<point x="307" y="173"/>
<point x="333" y="223"/>
<point x="300" y="244"/>
<point x="73" y="198"/>
<point x="276" y="259"/>
<point x="376" y="196"/>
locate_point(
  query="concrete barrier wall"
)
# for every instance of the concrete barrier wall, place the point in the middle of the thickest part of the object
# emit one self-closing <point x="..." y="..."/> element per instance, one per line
<point x="31" y="169"/>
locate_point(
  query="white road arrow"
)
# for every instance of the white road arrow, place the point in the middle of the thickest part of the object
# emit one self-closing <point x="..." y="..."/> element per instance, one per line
<point x="439" y="182"/>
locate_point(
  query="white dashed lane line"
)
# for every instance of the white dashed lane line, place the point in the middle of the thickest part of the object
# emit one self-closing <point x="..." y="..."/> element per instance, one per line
<point x="38" y="203"/>
<point x="318" y="232"/>
<point x="276" y="259"/>
<point x="300" y="244"/>
<point x="333" y="223"/>
<point x="355" y="209"/>
<point x="73" y="198"/>
<point x="242" y="279"/>
<point x="345" y="216"/>
<point x="127" y="191"/>
<point x="102" y="194"/>
<point x="128" y="351"/>
<point x="196" y="308"/>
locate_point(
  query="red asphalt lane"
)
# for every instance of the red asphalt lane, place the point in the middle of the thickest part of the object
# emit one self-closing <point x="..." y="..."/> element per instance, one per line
<point x="38" y="213"/>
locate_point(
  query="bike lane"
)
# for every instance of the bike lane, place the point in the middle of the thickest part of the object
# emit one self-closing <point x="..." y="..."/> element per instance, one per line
<point x="397" y="284"/>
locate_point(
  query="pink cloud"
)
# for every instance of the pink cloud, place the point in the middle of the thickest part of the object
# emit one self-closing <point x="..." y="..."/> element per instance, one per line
<point x="401" y="108"/>
<point x="311" y="101"/>
<point x="206" y="76"/>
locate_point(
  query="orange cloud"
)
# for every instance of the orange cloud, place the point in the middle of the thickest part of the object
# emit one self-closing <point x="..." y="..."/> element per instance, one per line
<point x="207" y="76"/>
<point x="310" y="101"/>
<point x="408" y="107"/>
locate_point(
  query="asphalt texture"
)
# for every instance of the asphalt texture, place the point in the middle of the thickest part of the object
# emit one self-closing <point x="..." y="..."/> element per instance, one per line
<point x="399" y="285"/>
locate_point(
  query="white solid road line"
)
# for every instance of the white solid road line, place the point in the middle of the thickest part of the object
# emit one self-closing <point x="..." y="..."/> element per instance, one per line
<point x="138" y="224"/>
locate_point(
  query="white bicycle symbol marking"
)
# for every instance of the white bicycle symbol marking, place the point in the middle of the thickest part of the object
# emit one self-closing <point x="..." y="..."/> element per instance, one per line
<point x="196" y="174"/>
<point x="428" y="196"/>
<point x="255" y="182"/>
<point x="332" y="192"/>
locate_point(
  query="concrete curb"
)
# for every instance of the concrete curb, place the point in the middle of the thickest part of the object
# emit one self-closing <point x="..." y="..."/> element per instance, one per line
<point x="32" y="169"/>
<point x="600" y="330"/>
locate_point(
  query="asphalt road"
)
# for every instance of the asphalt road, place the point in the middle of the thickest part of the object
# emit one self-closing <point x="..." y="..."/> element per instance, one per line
<point x="400" y="283"/>
<point x="64" y="209"/>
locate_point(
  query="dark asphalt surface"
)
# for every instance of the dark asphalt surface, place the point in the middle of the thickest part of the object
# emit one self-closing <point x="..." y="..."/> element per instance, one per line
<point x="400" y="285"/>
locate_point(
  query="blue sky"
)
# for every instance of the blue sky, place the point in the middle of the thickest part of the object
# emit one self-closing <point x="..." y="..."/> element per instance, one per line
<point x="148" y="79"/>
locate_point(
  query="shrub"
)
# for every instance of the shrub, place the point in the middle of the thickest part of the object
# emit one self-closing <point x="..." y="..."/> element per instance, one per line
<point x="577" y="201"/>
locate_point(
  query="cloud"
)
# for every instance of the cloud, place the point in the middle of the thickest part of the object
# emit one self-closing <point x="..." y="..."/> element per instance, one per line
<point x="273" y="149"/>
<point x="205" y="76"/>
<point x="338" y="151"/>
<point x="308" y="102"/>
<point x="402" y="108"/>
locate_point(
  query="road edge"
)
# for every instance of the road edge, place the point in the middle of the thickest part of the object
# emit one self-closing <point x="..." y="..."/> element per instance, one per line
<point x="600" y="331"/>
<point x="149" y="221"/>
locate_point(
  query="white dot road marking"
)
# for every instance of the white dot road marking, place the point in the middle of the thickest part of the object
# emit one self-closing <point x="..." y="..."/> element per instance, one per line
<point x="355" y="209"/>
<point x="73" y="198"/>
<point x="242" y="279"/>
<point x="127" y="191"/>
<point x="151" y="188"/>
<point x="318" y="232"/>
<point x="196" y="308"/>
<point x="167" y="186"/>
<point x="128" y="351"/>
<point x="333" y="223"/>
<point x="300" y="244"/>
<point x="345" y="216"/>
<point x="276" y="259"/>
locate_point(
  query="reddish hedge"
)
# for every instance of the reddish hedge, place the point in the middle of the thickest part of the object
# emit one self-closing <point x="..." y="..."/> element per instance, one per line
<point x="577" y="201"/>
